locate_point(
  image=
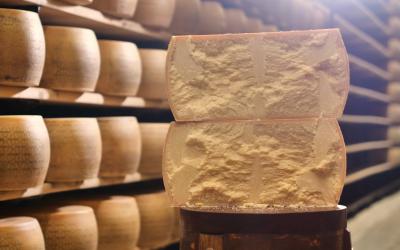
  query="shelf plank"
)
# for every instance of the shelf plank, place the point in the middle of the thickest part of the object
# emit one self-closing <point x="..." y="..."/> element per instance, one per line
<point x="366" y="146"/>
<point x="54" y="96"/>
<point x="364" y="119"/>
<point x="59" y="13"/>
<point x="48" y="188"/>
<point x="369" y="171"/>
<point x="361" y="67"/>
<point x="369" y="94"/>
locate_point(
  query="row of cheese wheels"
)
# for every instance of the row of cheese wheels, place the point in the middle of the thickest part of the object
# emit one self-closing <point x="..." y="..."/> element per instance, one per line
<point x="72" y="59"/>
<point x="71" y="150"/>
<point x="104" y="223"/>
<point x="180" y="16"/>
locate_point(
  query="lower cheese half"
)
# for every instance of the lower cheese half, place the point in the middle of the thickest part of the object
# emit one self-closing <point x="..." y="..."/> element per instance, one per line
<point x="252" y="165"/>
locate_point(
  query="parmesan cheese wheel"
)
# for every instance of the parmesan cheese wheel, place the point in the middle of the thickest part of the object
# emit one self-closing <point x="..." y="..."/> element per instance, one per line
<point x="68" y="227"/>
<point x="254" y="25"/>
<point x="153" y="139"/>
<point x="255" y="165"/>
<point x="79" y="2"/>
<point x="22" y="48"/>
<point x="121" y="68"/>
<point x="394" y="48"/>
<point x="122" y="146"/>
<point x="156" y="220"/>
<point x="234" y="76"/>
<point x="24" y="152"/>
<point x="212" y="18"/>
<point x="236" y="21"/>
<point x="118" y="222"/>
<point x="75" y="149"/>
<point x="154" y="83"/>
<point x="393" y="91"/>
<point x="394" y="155"/>
<point x="72" y="59"/>
<point x="186" y="16"/>
<point x="116" y="8"/>
<point x="393" y="112"/>
<point x="21" y="233"/>
<point x="394" y="70"/>
<point x="394" y="134"/>
<point x="394" y="26"/>
<point x="155" y="13"/>
<point x="270" y="28"/>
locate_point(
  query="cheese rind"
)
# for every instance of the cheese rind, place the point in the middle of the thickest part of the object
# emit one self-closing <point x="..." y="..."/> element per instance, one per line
<point x="79" y="2"/>
<point x="116" y="8"/>
<point x="22" y="233"/>
<point x="155" y="13"/>
<point x="256" y="76"/>
<point x="22" y="48"/>
<point x="24" y="152"/>
<point x="121" y="146"/>
<point x="236" y="21"/>
<point x="75" y="149"/>
<point x="252" y="165"/>
<point x="212" y="18"/>
<point x="186" y="16"/>
<point x="72" y="59"/>
<point x="393" y="91"/>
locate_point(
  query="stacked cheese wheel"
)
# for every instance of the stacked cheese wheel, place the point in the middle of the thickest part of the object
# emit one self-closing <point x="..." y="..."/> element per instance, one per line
<point x="230" y="147"/>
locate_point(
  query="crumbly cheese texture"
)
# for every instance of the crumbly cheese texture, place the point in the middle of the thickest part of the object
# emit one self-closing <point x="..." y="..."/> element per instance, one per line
<point x="293" y="164"/>
<point x="258" y="76"/>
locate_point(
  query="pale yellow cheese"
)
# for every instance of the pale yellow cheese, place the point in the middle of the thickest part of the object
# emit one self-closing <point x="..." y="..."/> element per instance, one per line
<point x="118" y="222"/>
<point x="75" y="149"/>
<point x="156" y="220"/>
<point x="21" y="233"/>
<point x="186" y="16"/>
<point x="393" y="91"/>
<point x="394" y="70"/>
<point x="24" y="152"/>
<point x="393" y="112"/>
<point x="121" y="69"/>
<point x="153" y="139"/>
<point x="68" y="227"/>
<point x="252" y="165"/>
<point x="212" y="18"/>
<point x="257" y="76"/>
<point x="154" y="83"/>
<point x="79" y="2"/>
<point x="121" y="146"/>
<point x="155" y="13"/>
<point x="236" y="21"/>
<point x="116" y="8"/>
<point x="72" y="59"/>
<point x="394" y="134"/>
<point x="22" y="48"/>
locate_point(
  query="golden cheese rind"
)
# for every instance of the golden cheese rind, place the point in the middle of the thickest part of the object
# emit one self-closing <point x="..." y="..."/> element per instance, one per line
<point x="255" y="165"/>
<point x="299" y="74"/>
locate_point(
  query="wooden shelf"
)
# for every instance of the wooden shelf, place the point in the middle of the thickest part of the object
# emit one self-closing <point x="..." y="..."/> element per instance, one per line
<point x="369" y="94"/>
<point x="48" y="188"/>
<point x="366" y="146"/>
<point x="369" y="171"/>
<point x="53" y="96"/>
<point x="59" y="13"/>
<point x="363" y="119"/>
<point x="366" y="69"/>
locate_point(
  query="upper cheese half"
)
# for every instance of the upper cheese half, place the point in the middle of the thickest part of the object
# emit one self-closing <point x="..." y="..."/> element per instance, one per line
<point x="298" y="74"/>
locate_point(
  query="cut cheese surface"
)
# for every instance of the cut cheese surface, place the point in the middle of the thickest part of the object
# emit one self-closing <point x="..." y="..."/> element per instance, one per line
<point x="257" y="76"/>
<point x="21" y="233"/>
<point x="273" y="164"/>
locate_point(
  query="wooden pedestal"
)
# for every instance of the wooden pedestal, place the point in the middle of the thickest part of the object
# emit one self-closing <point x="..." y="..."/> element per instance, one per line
<point x="322" y="230"/>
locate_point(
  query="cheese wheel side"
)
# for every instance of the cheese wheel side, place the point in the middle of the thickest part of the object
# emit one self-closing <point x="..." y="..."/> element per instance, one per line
<point x="116" y="8"/>
<point x="186" y="16"/>
<point x="155" y="13"/>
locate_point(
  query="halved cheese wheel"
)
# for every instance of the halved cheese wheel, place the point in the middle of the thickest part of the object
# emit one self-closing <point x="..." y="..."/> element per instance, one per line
<point x="155" y="13"/>
<point x="156" y="220"/>
<point x="257" y="76"/>
<point x="255" y="165"/>
<point x="121" y="68"/>
<point x="236" y="21"/>
<point x="186" y="16"/>
<point x="75" y="149"/>
<point x="22" y="48"/>
<point x="24" y="152"/>
<point x="212" y="18"/>
<point x="122" y="146"/>
<point x="393" y="91"/>
<point x="72" y="59"/>
<point x="79" y="2"/>
<point x="22" y="233"/>
<point x="154" y="82"/>
<point x="394" y="70"/>
<point x="68" y="227"/>
<point x="153" y="140"/>
<point x="116" y="8"/>
<point x="393" y="112"/>
<point x="118" y="221"/>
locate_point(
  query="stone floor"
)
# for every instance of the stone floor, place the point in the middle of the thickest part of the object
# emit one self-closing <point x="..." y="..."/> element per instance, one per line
<point x="378" y="226"/>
